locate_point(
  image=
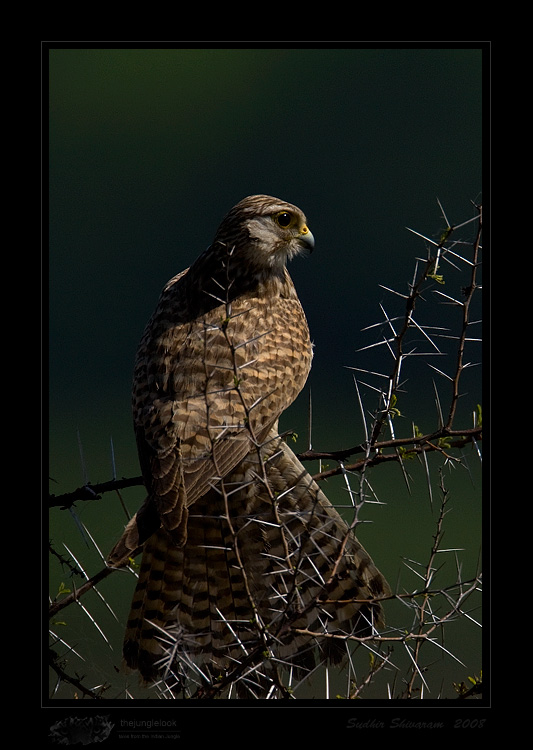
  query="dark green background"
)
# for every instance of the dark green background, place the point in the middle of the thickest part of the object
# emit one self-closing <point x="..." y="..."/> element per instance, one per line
<point x="148" y="150"/>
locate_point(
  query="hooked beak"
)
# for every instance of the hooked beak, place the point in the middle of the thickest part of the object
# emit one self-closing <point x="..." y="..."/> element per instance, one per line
<point x="306" y="239"/>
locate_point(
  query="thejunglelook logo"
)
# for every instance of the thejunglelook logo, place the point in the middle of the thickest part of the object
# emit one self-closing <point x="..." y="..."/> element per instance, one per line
<point x="84" y="730"/>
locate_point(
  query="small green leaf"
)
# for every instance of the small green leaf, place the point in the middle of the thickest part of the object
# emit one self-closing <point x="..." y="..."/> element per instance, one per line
<point x="63" y="589"/>
<point x="393" y="411"/>
<point x="444" y="236"/>
<point x="405" y="453"/>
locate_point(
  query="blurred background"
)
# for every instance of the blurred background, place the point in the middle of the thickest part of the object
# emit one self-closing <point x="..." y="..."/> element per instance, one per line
<point x="149" y="148"/>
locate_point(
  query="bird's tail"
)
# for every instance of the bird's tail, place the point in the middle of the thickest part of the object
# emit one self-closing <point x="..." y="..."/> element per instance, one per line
<point x="269" y="567"/>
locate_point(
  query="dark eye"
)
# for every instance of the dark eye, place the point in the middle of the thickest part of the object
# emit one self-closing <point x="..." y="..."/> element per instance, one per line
<point x="284" y="219"/>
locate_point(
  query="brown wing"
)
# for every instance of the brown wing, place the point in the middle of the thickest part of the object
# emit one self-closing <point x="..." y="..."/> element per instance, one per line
<point x="210" y="381"/>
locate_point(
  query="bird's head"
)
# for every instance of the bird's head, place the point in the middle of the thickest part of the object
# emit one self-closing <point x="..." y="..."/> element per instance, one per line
<point x="265" y="232"/>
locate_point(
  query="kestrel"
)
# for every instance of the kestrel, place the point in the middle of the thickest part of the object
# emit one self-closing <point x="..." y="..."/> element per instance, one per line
<point x="243" y="555"/>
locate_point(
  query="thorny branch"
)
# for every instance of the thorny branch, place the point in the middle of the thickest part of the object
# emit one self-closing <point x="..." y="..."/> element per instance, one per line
<point x="76" y="682"/>
<point x="469" y="292"/>
<point x="221" y="486"/>
<point x="421" y="443"/>
<point x="92" y="492"/>
<point x="416" y="445"/>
